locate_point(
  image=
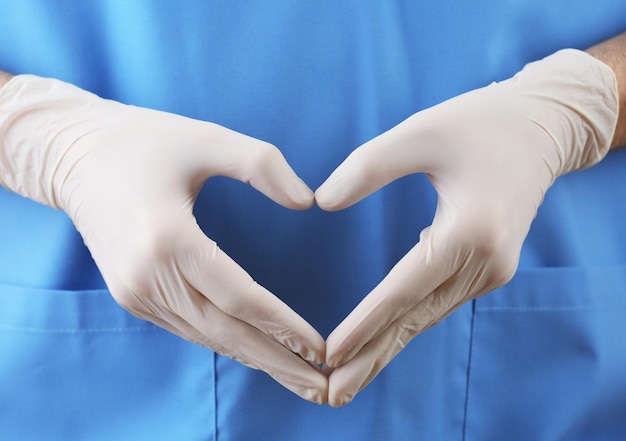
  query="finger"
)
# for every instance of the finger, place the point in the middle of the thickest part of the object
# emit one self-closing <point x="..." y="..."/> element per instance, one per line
<point x="213" y="150"/>
<point x="413" y="278"/>
<point x="212" y="328"/>
<point x="228" y="286"/>
<point x="261" y="165"/>
<point x="349" y="379"/>
<point x="345" y="381"/>
<point x="389" y="156"/>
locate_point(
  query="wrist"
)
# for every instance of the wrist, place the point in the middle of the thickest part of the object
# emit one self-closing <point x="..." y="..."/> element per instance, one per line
<point x="573" y="97"/>
<point x="4" y="78"/>
<point x="613" y="54"/>
<point x="41" y="120"/>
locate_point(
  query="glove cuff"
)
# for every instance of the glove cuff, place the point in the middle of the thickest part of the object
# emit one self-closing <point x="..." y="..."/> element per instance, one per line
<point x="579" y="105"/>
<point x="39" y="118"/>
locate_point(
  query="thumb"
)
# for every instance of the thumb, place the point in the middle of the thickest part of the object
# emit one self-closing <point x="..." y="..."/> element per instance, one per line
<point x="390" y="156"/>
<point x="263" y="166"/>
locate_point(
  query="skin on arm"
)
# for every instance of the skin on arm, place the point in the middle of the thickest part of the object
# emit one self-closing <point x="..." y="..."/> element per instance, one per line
<point x="612" y="52"/>
<point x="4" y="77"/>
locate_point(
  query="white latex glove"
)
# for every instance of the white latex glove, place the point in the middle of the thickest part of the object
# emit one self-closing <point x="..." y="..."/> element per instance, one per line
<point x="128" y="177"/>
<point x="491" y="155"/>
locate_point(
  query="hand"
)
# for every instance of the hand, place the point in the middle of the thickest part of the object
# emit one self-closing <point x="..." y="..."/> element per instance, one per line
<point x="491" y="155"/>
<point x="128" y="177"/>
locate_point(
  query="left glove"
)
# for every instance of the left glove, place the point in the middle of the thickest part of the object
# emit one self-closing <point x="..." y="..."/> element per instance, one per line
<point x="128" y="177"/>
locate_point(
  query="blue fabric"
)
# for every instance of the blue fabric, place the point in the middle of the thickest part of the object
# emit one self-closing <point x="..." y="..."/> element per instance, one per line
<point x="547" y="355"/>
<point x="539" y="359"/>
<point x="75" y="366"/>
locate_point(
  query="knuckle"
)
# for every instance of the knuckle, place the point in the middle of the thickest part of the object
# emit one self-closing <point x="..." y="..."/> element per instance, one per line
<point x="485" y="242"/>
<point x="499" y="259"/>
<point x="129" y="301"/>
<point x="503" y="268"/>
<point x="491" y="245"/>
<point x="480" y="237"/>
<point x="150" y="257"/>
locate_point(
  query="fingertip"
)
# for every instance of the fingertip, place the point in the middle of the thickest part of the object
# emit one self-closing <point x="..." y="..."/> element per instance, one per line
<point x="327" y="199"/>
<point x="327" y="370"/>
<point x="295" y="334"/>
<point x="317" y="393"/>
<point x="341" y="400"/>
<point x="302" y="196"/>
<point x="314" y="352"/>
<point x="344" y="187"/>
<point x="343" y="385"/>
<point x="267" y="170"/>
<point x="334" y="361"/>
<point x="320" y="353"/>
<point x="324" y="203"/>
<point x="334" y="356"/>
<point x="328" y="195"/>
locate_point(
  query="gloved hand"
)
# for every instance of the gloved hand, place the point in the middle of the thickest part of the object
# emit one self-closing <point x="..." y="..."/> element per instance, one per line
<point x="128" y="178"/>
<point x="491" y="155"/>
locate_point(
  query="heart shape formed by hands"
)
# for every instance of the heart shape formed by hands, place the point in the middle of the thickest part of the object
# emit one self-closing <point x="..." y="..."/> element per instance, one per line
<point x="491" y="155"/>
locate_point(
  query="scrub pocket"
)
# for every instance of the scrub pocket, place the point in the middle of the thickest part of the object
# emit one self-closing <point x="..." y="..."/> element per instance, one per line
<point x="548" y="358"/>
<point x="74" y="365"/>
<point x="420" y="395"/>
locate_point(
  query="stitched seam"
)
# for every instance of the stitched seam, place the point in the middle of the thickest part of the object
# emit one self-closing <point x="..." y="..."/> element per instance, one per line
<point x="214" y="426"/>
<point x="534" y="308"/>
<point x="469" y="368"/>
<point x="75" y="331"/>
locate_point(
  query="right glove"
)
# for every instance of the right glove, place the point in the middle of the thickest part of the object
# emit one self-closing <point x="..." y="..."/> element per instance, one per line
<point x="491" y="154"/>
<point x="128" y="178"/>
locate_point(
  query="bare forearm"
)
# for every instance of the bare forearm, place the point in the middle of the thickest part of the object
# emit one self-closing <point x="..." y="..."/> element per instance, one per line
<point x="4" y="77"/>
<point x="613" y="53"/>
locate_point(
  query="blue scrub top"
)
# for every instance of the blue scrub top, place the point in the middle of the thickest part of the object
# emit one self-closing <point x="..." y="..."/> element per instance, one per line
<point x="539" y="359"/>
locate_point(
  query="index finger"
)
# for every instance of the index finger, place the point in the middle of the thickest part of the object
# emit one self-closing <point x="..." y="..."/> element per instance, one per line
<point x="411" y="280"/>
<point x="405" y="149"/>
<point x="196" y="319"/>
<point x="229" y="287"/>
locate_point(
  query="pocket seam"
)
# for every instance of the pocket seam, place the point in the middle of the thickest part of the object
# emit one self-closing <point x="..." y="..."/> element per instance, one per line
<point x="534" y="308"/>
<point x="8" y="328"/>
